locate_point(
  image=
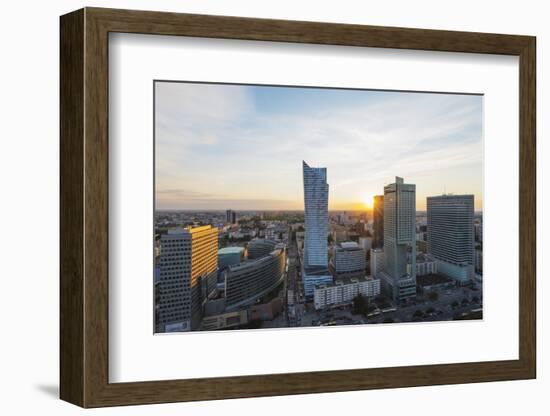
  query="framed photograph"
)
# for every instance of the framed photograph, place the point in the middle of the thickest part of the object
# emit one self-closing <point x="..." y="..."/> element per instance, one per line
<point x="254" y="207"/>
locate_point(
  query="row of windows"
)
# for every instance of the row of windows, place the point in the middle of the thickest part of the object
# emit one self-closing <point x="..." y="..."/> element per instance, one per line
<point x="245" y="283"/>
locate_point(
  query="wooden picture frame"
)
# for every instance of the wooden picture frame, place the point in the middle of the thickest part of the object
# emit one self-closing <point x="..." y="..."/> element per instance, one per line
<point x="84" y="207"/>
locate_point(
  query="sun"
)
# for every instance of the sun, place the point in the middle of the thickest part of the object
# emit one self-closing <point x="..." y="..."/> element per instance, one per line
<point x="368" y="201"/>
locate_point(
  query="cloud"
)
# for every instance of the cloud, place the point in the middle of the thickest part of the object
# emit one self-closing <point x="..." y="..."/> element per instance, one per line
<point x="219" y="140"/>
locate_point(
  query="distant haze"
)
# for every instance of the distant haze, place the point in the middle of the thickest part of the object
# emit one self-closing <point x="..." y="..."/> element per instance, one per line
<point x="241" y="147"/>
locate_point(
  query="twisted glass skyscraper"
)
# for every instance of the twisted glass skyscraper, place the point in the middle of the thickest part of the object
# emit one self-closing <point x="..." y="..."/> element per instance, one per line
<point x="316" y="228"/>
<point x="316" y="216"/>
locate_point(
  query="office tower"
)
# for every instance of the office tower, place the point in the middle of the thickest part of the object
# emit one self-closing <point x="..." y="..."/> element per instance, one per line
<point x="230" y="216"/>
<point x="316" y="228"/>
<point x="478" y="230"/>
<point x="316" y="216"/>
<point x="248" y="281"/>
<point x="360" y="227"/>
<point x="366" y="243"/>
<point x="422" y="246"/>
<point x="344" y="218"/>
<point x="188" y="269"/>
<point x="451" y="235"/>
<point x="376" y="261"/>
<point x="378" y="221"/>
<point x="349" y="260"/>
<point x="425" y="265"/>
<point x="398" y="278"/>
<point x="479" y="260"/>
<point x="339" y="233"/>
<point x="260" y="247"/>
<point x="229" y="256"/>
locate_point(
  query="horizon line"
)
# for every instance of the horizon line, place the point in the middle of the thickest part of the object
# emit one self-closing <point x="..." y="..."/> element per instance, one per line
<point x="270" y="210"/>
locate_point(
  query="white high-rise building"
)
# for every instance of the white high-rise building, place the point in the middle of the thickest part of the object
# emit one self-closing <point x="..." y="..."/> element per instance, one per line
<point x="451" y="235"/>
<point x="349" y="260"/>
<point x="366" y="243"/>
<point x="399" y="239"/>
<point x="316" y="228"/>
<point x="425" y="264"/>
<point x="344" y="291"/>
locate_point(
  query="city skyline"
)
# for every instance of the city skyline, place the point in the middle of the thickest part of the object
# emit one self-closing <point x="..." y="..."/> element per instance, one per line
<point x="363" y="138"/>
<point x="286" y="272"/>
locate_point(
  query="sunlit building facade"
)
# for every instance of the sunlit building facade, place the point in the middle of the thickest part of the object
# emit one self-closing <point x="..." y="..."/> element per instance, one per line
<point x="378" y="221"/>
<point x="188" y="271"/>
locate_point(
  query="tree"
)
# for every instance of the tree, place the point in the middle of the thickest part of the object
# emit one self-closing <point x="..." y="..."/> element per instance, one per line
<point x="433" y="296"/>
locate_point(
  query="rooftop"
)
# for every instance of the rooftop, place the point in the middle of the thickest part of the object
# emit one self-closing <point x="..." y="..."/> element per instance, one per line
<point x="246" y="263"/>
<point x="349" y="245"/>
<point x="432" y="279"/>
<point x="451" y="196"/>
<point x="346" y="281"/>
<point x="316" y="270"/>
<point x="189" y="230"/>
<point x="231" y="250"/>
<point x="199" y="229"/>
<point x="424" y="258"/>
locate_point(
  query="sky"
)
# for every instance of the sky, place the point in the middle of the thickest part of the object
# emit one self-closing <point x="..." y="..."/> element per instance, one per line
<point x="241" y="147"/>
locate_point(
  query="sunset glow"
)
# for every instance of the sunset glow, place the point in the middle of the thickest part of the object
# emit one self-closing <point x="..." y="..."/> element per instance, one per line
<point x="368" y="201"/>
<point x="242" y="146"/>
